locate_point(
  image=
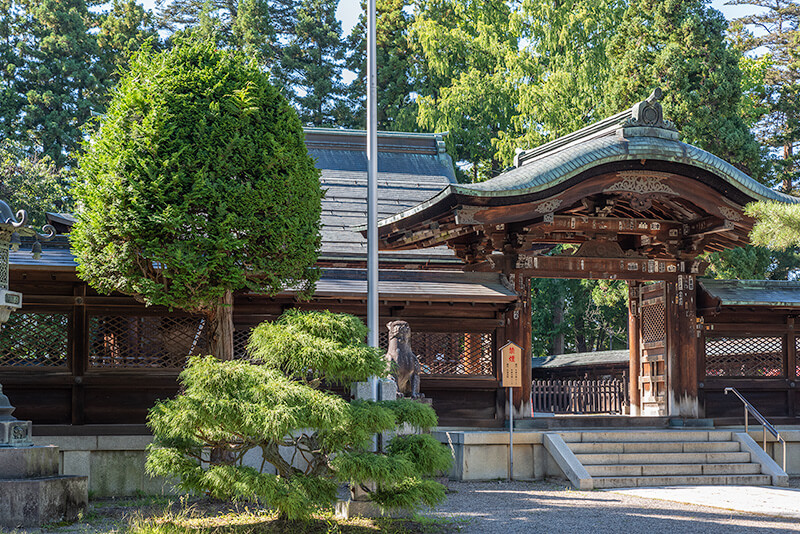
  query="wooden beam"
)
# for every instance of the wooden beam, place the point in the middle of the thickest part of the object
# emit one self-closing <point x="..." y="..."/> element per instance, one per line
<point x="602" y="268"/>
<point x="609" y="225"/>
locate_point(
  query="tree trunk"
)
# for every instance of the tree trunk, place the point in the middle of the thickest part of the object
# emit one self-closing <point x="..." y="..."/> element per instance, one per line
<point x="558" y="319"/>
<point x="580" y="334"/>
<point x="222" y="321"/>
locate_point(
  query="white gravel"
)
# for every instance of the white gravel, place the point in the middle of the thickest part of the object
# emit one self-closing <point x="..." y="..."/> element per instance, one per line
<point x="517" y="507"/>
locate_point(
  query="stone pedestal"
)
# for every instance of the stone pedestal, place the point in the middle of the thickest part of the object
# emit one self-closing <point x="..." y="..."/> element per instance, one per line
<point x="32" y="493"/>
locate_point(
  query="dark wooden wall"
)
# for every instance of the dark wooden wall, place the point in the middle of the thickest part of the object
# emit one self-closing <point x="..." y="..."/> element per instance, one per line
<point x="63" y="361"/>
<point x="753" y="350"/>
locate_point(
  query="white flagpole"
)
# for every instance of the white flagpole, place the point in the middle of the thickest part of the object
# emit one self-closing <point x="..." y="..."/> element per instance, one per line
<point x="372" y="186"/>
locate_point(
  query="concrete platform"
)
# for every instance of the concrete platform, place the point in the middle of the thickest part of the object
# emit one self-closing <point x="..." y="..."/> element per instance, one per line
<point x="764" y="500"/>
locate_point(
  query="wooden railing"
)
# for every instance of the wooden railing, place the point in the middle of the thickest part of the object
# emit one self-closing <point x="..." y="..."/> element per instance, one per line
<point x="579" y="396"/>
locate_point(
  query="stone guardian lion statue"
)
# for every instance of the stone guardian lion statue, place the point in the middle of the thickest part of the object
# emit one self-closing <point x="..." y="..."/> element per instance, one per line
<point x="406" y="369"/>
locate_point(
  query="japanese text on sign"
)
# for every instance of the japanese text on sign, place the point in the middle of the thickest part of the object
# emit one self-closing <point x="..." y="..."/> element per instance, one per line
<point x="512" y="365"/>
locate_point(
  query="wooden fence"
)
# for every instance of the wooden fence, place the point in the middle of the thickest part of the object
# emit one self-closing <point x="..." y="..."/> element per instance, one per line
<point x="579" y="396"/>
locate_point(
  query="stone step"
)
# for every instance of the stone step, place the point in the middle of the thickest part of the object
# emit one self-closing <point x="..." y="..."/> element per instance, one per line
<point x="28" y="462"/>
<point x="664" y="458"/>
<point x="647" y="436"/>
<point x="697" y="480"/>
<point x="672" y="469"/>
<point x="654" y="447"/>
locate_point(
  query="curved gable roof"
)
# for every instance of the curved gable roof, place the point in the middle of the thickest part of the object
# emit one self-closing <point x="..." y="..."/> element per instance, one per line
<point x="625" y="137"/>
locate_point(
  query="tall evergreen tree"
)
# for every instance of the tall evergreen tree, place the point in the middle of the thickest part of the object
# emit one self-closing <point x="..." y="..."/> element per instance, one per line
<point x="679" y="45"/>
<point x="778" y="125"/>
<point x="255" y="27"/>
<point x="312" y="64"/>
<point x="122" y="31"/>
<point x="60" y="76"/>
<point x="397" y="108"/>
<point x="11" y="100"/>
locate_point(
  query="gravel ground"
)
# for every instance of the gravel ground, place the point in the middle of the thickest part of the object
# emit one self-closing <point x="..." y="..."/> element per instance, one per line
<point x="517" y="507"/>
<point x="509" y="508"/>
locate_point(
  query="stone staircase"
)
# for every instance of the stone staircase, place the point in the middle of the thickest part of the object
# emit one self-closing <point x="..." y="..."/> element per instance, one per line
<point x="630" y="458"/>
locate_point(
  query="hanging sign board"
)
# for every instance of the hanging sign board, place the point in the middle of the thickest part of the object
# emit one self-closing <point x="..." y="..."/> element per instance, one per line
<point x="512" y="365"/>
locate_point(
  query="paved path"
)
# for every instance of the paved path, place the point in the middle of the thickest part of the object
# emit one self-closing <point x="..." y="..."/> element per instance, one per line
<point x="520" y="507"/>
<point x="764" y="500"/>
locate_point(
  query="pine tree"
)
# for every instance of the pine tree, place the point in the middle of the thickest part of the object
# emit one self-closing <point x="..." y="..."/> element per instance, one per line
<point x="778" y="124"/>
<point x="59" y="75"/>
<point x="312" y="439"/>
<point x="312" y="63"/>
<point x="679" y="45"/>
<point x="397" y="109"/>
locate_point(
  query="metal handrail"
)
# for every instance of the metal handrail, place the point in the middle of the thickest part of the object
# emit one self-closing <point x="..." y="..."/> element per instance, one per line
<point x="749" y="408"/>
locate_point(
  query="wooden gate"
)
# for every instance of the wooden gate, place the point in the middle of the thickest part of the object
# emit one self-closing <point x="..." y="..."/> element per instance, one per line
<point x="653" y="349"/>
<point x="579" y="396"/>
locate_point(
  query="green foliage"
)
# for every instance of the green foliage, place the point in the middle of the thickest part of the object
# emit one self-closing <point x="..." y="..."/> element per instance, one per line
<point x="123" y="30"/>
<point x="777" y="226"/>
<point x="578" y="315"/>
<point x="464" y="79"/>
<point x="753" y="263"/>
<point x="198" y="183"/>
<point x="233" y="407"/>
<point x="323" y="345"/>
<point x="33" y="184"/>
<point x="250" y="26"/>
<point x="561" y="70"/>
<point x="680" y="47"/>
<point x="774" y="89"/>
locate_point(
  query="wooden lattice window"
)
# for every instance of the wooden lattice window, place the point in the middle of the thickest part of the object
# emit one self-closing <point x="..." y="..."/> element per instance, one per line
<point x="131" y="341"/>
<point x="744" y="356"/>
<point x="451" y="353"/>
<point x="241" y="336"/>
<point x="35" y="339"/>
<point x="797" y="351"/>
<point x="653" y="322"/>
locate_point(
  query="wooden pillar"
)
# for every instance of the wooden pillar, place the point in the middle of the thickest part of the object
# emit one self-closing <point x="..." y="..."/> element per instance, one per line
<point x="686" y="398"/>
<point x="518" y="330"/>
<point x="78" y="351"/>
<point x="682" y="378"/>
<point x="634" y="365"/>
<point x="791" y="366"/>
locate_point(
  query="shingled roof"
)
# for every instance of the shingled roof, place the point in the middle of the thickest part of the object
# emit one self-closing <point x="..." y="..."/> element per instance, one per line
<point x="412" y="167"/>
<point x="772" y="293"/>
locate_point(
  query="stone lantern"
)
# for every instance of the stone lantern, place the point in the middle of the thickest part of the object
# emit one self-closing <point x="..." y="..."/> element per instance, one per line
<point x="32" y="493"/>
<point x="14" y="433"/>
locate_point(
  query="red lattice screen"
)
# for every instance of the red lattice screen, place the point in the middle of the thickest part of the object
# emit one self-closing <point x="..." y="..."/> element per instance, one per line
<point x="451" y="353"/>
<point x="35" y="339"/>
<point x="745" y="356"/>
<point x="122" y="341"/>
